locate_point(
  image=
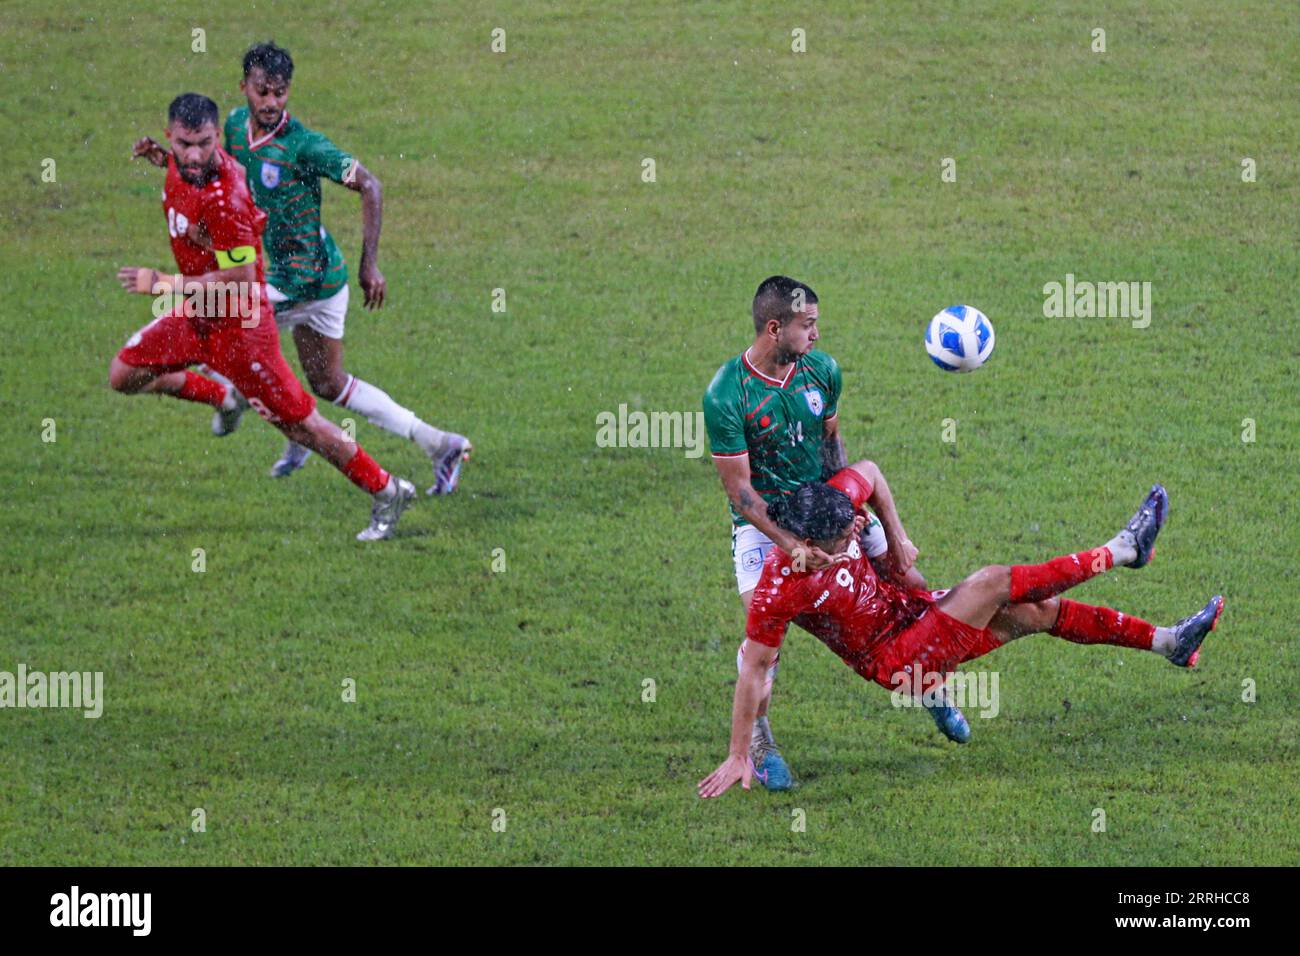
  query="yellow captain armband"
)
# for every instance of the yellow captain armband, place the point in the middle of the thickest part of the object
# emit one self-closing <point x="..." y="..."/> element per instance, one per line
<point x="238" y="256"/>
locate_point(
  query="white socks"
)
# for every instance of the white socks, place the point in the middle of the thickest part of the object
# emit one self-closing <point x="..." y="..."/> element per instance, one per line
<point x="377" y="407"/>
<point x="1163" y="642"/>
<point x="1123" y="550"/>
<point x="430" y="439"/>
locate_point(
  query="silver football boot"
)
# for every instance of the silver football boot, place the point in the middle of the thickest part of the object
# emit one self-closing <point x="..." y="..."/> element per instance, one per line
<point x="384" y="513"/>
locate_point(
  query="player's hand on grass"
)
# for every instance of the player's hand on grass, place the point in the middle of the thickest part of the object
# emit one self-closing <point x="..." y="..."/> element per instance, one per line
<point x="373" y="285"/>
<point x="732" y="769"/>
<point x="150" y="150"/>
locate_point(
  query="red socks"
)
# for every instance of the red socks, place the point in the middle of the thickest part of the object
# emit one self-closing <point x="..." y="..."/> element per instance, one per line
<point x="364" y="472"/>
<point x="200" y="388"/>
<point x="1085" y="624"/>
<point x="1034" y="582"/>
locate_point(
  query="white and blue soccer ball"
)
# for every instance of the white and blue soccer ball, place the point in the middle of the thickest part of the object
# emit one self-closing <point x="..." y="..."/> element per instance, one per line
<point x="959" y="339"/>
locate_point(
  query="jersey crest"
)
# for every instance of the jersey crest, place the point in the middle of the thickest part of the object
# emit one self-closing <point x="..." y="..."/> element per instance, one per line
<point x="270" y="175"/>
<point x="815" y="401"/>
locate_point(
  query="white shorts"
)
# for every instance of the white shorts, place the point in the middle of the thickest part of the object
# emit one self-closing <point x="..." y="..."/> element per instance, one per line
<point x="749" y="548"/>
<point x="320" y="315"/>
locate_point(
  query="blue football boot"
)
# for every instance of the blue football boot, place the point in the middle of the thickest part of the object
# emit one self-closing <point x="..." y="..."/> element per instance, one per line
<point x="1191" y="631"/>
<point x="951" y="721"/>
<point x="1143" y="527"/>
<point x="770" y="768"/>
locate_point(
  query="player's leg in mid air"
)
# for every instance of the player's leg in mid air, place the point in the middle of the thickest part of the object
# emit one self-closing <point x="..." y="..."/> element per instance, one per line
<point x="749" y="548"/>
<point x="226" y="419"/>
<point x="153" y="362"/>
<point x="1022" y="599"/>
<point x="998" y="604"/>
<point x="318" y="334"/>
<point x="251" y="358"/>
<point x="979" y="597"/>
<point x="1084" y="624"/>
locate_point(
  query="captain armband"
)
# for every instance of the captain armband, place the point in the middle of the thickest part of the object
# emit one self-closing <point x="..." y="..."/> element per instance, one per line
<point x="236" y="257"/>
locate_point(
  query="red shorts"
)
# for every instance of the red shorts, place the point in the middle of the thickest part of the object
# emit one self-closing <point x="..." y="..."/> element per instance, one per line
<point x="935" y="643"/>
<point x="249" y="357"/>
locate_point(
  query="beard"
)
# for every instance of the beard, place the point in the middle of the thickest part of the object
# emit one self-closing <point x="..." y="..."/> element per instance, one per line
<point x="198" y="175"/>
<point x="787" y="356"/>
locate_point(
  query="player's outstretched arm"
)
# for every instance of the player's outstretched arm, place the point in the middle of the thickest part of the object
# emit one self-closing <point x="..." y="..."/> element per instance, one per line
<point x="146" y="146"/>
<point x="148" y="281"/>
<point x="373" y="284"/>
<point x="754" y="666"/>
<point x="902" y="553"/>
<point x="735" y="476"/>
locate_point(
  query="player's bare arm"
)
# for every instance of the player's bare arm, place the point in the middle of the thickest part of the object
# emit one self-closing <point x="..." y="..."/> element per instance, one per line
<point x="372" y="280"/>
<point x="749" y="691"/>
<point x="833" y="457"/>
<point x="902" y="553"/>
<point x="736" y="481"/>
<point x="148" y="281"/>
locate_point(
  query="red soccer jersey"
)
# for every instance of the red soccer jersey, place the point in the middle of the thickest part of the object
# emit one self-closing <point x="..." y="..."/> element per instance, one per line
<point x="224" y="207"/>
<point x="846" y="606"/>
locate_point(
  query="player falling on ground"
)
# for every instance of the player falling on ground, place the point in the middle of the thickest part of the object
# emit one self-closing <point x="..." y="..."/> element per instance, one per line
<point x="308" y="277"/>
<point x="903" y="637"/>
<point x="226" y="322"/>
<point x="772" y="418"/>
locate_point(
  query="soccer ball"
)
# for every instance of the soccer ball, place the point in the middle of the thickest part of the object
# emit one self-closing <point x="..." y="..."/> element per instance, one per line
<point x="959" y="339"/>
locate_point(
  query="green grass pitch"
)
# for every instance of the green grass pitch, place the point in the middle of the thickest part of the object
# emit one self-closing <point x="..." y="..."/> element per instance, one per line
<point x="521" y="690"/>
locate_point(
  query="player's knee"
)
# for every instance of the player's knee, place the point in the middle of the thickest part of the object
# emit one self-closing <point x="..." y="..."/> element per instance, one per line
<point x="301" y="432"/>
<point x="327" y="384"/>
<point x="120" y="377"/>
<point x="1045" y="613"/>
<point x="993" y="578"/>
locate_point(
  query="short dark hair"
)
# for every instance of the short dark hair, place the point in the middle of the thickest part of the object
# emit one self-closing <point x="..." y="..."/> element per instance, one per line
<point x="814" y="511"/>
<point x="774" y="300"/>
<point x="192" y="110"/>
<point x="274" y="61"/>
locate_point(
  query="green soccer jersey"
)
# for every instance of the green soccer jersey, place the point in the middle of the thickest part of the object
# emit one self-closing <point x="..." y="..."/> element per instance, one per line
<point x="284" y="170"/>
<point x="779" y="424"/>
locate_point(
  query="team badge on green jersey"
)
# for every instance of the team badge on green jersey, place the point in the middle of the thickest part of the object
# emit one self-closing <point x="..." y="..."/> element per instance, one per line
<point x="270" y="175"/>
